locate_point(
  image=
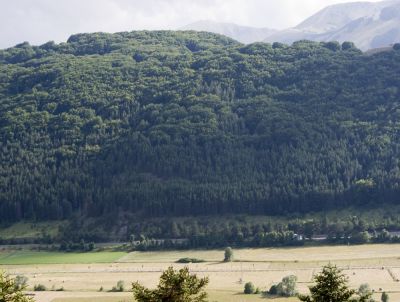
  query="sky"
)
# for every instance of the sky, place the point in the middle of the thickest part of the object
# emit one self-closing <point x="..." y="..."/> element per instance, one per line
<point x="40" y="21"/>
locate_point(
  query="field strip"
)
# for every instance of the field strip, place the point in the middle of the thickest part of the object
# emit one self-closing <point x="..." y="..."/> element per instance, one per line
<point x="8" y="255"/>
<point x="206" y="270"/>
<point x="49" y="296"/>
<point x="38" y="258"/>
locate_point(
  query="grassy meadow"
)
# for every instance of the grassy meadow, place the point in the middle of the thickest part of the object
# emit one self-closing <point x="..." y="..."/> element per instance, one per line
<point x="32" y="257"/>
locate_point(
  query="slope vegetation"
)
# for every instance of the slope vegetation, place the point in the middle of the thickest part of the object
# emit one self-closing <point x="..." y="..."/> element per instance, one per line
<point x="183" y="123"/>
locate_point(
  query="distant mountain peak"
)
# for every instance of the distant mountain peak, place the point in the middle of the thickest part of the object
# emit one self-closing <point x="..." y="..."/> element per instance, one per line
<point x="335" y="16"/>
<point x="367" y="24"/>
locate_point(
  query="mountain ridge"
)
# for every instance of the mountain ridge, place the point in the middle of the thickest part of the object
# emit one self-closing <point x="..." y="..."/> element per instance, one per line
<point x="368" y="24"/>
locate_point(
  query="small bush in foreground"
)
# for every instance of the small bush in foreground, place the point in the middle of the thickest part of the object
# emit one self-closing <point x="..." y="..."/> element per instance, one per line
<point x="285" y="288"/>
<point x="190" y="260"/>
<point x="39" y="288"/>
<point x="249" y="288"/>
<point x="365" y="290"/>
<point x="119" y="287"/>
<point x="20" y="282"/>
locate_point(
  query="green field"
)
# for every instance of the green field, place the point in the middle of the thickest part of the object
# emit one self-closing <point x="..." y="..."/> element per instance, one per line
<point x="30" y="257"/>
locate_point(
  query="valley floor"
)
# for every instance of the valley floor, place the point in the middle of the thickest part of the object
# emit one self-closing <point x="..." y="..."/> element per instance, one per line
<point x="378" y="265"/>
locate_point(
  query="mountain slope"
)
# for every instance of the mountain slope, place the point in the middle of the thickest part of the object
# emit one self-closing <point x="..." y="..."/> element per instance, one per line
<point x="368" y="25"/>
<point x="244" y="34"/>
<point x="336" y="16"/>
<point x="166" y="124"/>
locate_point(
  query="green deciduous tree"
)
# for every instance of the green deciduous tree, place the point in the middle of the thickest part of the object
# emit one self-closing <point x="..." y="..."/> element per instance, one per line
<point x="228" y="254"/>
<point x="365" y="292"/>
<point x="174" y="286"/>
<point x="20" y="282"/>
<point x="287" y="287"/>
<point x="119" y="287"/>
<point x="249" y="288"/>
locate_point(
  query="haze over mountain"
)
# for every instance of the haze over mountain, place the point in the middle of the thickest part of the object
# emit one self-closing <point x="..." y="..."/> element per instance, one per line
<point x="367" y="24"/>
<point x="40" y="21"/>
<point x="244" y="34"/>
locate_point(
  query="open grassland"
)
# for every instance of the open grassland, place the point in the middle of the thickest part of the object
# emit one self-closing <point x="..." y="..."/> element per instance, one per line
<point x="81" y="275"/>
<point x="30" y="257"/>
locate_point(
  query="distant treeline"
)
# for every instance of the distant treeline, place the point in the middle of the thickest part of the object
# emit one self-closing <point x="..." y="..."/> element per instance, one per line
<point x="208" y="241"/>
<point x="164" y="124"/>
<point x="343" y="227"/>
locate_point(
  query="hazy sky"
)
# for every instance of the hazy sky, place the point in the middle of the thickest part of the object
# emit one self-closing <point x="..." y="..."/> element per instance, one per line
<point x="39" y="21"/>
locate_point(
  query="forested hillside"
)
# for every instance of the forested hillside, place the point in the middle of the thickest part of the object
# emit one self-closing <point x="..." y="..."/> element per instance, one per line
<point x="182" y="123"/>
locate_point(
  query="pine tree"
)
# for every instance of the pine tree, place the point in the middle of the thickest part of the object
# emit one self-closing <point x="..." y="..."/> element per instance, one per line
<point x="332" y="286"/>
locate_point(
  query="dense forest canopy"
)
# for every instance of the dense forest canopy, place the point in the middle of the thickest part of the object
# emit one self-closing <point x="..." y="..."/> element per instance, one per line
<point x="162" y="123"/>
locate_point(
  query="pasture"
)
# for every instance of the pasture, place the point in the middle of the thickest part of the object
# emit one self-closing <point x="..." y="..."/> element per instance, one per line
<point x="31" y="257"/>
<point x="82" y="275"/>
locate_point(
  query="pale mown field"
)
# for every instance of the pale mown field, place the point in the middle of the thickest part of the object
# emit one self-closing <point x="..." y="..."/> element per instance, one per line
<point x="378" y="265"/>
